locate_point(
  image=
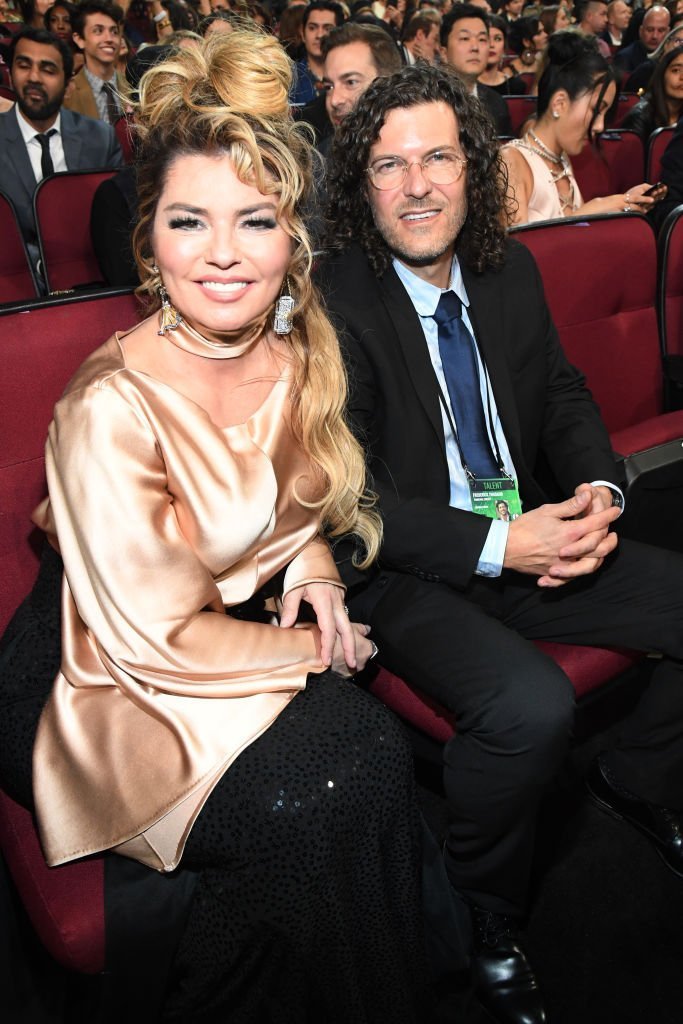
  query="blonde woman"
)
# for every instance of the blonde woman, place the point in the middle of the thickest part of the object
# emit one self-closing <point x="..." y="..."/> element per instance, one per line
<point x="196" y="465"/>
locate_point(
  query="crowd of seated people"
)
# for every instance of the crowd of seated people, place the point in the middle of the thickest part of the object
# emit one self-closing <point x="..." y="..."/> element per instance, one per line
<point x="383" y="87"/>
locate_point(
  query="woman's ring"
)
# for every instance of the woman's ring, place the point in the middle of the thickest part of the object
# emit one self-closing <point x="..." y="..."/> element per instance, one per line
<point x="375" y="650"/>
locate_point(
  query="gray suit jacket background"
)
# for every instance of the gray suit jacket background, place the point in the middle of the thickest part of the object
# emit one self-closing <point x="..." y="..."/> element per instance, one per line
<point x="89" y="145"/>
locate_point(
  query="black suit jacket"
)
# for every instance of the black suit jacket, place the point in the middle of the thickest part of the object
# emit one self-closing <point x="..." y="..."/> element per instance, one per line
<point x="497" y="108"/>
<point x="88" y="145"/>
<point x="547" y="414"/>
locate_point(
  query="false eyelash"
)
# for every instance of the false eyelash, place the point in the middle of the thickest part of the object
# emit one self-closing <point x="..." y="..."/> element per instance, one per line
<point x="179" y="222"/>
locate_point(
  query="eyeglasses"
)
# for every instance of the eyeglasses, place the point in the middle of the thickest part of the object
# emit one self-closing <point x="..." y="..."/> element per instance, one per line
<point x="443" y="167"/>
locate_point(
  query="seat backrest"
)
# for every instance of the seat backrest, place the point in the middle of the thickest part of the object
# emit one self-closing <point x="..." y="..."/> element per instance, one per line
<point x="670" y="300"/>
<point x="624" y="155"/>
<point x="600" y="279"/>
<point x="7" y="92"/>
<point x="529" y="80"/>
<point x="62" y="205"/>
<point x="625" y="102"/>
<point x="520" y="108"/>
<point x="614" y="165"/>
<point x="659" y="140"/>
<point x="41" y="347"/>
<point x="16" y="276"/>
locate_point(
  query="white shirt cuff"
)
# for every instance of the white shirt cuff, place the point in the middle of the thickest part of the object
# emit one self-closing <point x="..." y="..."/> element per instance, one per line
<point x="493" y="552"/>
<point x="612" y="487"/>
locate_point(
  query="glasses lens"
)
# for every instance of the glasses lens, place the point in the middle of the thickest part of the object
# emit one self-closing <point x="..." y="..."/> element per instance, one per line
<point x="388" y="172"/>
<point x="442" y="168"/>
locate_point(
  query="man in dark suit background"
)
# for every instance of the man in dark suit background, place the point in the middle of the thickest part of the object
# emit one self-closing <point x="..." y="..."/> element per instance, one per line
<point x="38" y="136"/>
<point x="465" y="46"/>
<point x="453" y="360"/>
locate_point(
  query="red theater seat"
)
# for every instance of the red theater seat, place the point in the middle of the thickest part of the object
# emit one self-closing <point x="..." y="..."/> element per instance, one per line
<point x="16" y="275"/>
<point x="625" y="102"/>
<point x="607" y="320"/>
<point x="520" y="108"/>
<point x="62" y="205"/>
<point x="657" y="143"/>
<point x="613" y="165"/>
<point x="43" y="344"/>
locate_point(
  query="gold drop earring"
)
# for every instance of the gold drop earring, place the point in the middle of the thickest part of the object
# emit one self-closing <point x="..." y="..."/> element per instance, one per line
<point x="170" y="317"/>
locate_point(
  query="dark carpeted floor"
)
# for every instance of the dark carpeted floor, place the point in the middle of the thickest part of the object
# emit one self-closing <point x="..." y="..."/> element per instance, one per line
<point x="605" y="931"/>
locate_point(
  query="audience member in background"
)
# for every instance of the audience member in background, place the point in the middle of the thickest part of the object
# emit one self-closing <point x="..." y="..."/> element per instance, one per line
<point x="639" y="79"/>
<point x="619" y="14"/>
<point x="290" y="30"/>
<point x="496" y="75"/>
<point x="320" y="17"/>
<point x="197" y="463"/>
<point x="220" y="22"/>
<point x="592" y="21"/>
<point x="465" y="46"/>
<point x="33" y="12"/>
<point x="420" y="37"/>
<point x="97" y="32"/>
<point x="575" y="91"/>
<point x="662" y="104"/>
<point x="654" y="27"/>
<point x="394" y="16"/>
<point x="59" y="20"/>
<point x="527" y="39"/>
<point x="260" y="16"/>
<point x="671" y="174"/>
<point x="38" y="136"/>
<point x="114" y="211"/>
<point x="555" y="18"/>
<point x="353" y="57"/>
<point x="8" y="15"/>
<point x="511" y="10"/>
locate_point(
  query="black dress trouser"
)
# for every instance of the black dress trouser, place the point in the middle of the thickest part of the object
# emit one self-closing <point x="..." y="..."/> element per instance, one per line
<point x="472" y="652"/>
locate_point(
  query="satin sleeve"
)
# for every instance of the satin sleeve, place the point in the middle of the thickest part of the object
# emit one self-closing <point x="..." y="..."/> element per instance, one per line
<point x="313" y="564"/>
<point x="152" y="608"/>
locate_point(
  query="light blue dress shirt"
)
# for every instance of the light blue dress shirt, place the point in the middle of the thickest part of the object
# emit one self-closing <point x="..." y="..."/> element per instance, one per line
<point x="425" y="298"/>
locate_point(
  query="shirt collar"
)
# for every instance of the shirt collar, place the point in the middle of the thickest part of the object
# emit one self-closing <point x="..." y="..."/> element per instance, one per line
<point x="28" y="132"/>
<point x="425" y="296"/>
<point x="97" y="83"/>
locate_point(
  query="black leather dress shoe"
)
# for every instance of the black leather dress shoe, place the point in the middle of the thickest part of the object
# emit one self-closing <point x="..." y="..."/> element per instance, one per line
<point x="503" y="980"/>
<point x="661" y="825"/>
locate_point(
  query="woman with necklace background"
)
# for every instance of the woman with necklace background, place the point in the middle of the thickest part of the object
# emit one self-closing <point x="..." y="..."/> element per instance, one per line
<point x="195" y="465"/>
<point x="575" y="91"/>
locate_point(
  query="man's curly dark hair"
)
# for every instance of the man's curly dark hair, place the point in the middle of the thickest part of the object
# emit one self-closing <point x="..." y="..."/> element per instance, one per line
<point x="481" y="243"/>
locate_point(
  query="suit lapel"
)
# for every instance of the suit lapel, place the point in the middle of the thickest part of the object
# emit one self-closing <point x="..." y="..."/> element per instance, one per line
<point x="491" y="332"/>
<point x="414" y="346"/>
<point x="17" y="155"/>
<point x="72" y="142"/>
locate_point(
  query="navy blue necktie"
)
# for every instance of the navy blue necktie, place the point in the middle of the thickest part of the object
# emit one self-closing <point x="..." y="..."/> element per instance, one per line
<point x="459" y="361"/>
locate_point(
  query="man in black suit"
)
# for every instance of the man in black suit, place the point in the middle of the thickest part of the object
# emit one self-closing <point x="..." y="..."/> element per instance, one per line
<point x="653" y="29"/>
<point x="463" y="397"/>
<point x="38" y="136"/>
<point x="465" y="46"/>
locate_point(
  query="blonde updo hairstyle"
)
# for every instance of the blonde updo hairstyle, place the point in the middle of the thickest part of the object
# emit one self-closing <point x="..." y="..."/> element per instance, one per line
<point x="230" y="97"/>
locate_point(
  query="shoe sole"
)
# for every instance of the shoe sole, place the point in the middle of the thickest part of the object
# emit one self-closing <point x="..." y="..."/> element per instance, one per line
<point x="608" y="809"/>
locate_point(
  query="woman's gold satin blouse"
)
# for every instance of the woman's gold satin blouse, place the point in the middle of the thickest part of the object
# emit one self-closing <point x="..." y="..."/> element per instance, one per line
<point x="163" y="520"/>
